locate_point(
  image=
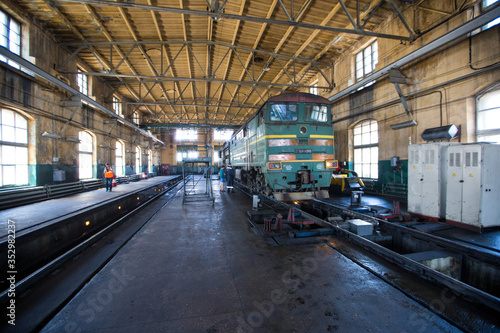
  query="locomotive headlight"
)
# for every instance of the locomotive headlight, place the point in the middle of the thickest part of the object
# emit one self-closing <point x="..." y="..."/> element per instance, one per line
<point x="331" y="164"/>
<point x="274" y="165"/>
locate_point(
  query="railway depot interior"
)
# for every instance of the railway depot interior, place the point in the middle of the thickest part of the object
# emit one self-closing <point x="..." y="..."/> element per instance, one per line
<point x="364" y="137"/>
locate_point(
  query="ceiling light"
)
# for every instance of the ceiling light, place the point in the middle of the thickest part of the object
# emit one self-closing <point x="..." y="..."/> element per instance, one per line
<point x="265" y="69"/>
<point x="405" y="124"/>
<point x="51" y="135"/>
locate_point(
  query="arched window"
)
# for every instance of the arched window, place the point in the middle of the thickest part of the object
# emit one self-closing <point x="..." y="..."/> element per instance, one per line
<point x="138" y="164"/>
<point x="119" y="159"/>
<point x="366" y="149"/>
<point x="13" y="149"/>
<point x="85" y="150"/>
<point x="488" y="116"/>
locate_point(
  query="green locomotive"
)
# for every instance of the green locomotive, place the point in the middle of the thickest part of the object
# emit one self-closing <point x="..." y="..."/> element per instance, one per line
<point x="286" y="148"/>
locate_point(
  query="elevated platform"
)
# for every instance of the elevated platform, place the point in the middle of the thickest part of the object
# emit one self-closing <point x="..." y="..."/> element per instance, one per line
<point x="42" y="213"/>
<point x="46" y="230"/>
<point x="200" y="268"/>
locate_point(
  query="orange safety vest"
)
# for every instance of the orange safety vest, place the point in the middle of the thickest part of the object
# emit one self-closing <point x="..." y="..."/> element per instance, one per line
<point x="108" y="173"/>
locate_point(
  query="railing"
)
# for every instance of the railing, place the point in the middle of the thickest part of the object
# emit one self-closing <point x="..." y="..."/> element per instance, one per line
<point x="396" y="189"/>
<point x="22" y="196"/>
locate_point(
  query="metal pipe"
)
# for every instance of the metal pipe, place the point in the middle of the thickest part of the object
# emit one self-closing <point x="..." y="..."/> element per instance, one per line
<point x="424" y="50"/>
<point x="415" y="94"/>
<point x="37" y="70"/>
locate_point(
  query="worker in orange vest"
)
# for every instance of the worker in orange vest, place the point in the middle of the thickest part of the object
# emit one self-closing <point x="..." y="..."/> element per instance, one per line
<point x="108" y="175"/>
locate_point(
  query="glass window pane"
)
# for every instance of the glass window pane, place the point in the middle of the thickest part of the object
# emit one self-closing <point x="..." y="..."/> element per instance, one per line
<point x="489" y="119"/>
<point x="359" y="57"/>
<point x="21" y="155"/>
<point x="8" y="134"/>
<point x="357" y="140"/>
<point x="21" y="122"/>
<point x="489" y="138"/>
<point x="357" y="156"/>
<point x="22" y="175"/>
<point x="284" y="112"/>
<point x="85" y="142"/>
<point x="8" y="118"/>
<point x="9" y="175"/>
<point x="366" y="154"/>
<point x="21" y="136"/>
<point x="8" y="155"/>
<point x="488" y="115"/>
<point x="366" y="170"/>
<point x="367" y="157"/>
<point x="85" y="168"/>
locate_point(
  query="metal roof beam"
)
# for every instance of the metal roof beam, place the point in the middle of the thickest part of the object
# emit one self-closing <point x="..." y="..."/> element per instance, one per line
<point x="184" y="103"/>
<point x="219" y="16"/>
<point x="445" y="39"/>
<point x="40" y="72"/>
<point x="190" y="43"/>
<point x="152" y="78"/>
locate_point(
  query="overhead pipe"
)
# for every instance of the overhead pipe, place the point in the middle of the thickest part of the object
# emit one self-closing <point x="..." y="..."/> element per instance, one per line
<point x="445" y="39"/>
<point x="37" y="70"/>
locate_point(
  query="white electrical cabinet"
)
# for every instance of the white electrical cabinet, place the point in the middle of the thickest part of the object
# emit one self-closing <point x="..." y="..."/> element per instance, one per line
<point x="473" y="185"/>
<point x="427" y="179"/>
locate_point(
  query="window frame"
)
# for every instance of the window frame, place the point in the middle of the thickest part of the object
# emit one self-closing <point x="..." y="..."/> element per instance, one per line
<point x="364" y="146"/>
<point x="117" y="106"/>
<point x="319" y="112"/>
<point x="288" y="104"/>
<point x="8" y="39"/>
<point x="182" y="134"/>
<point x="82" y="81"/>
<point x="138" y="160"/>
<point x="373" y="61"/>
<point x="136" y="117"/>
<point x="16" y="145"/>
<point x="314" y="89"/>
<point x="483" y="134"/>
<point x="224" y="136"/>
<point x="85" y="153"/>
<point x="119" y="166"/>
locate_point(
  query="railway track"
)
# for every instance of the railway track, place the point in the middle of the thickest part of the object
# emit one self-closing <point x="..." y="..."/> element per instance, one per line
<point x="43" y="293"/>
<point x="471" y="273"/>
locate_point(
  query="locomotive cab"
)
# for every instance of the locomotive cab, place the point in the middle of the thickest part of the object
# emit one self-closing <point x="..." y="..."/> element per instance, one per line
<point x="286" y="149"/>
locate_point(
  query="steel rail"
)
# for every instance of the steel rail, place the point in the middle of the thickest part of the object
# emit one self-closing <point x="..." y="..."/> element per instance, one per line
<point x="467" y="291"/>
<point x="28" y="281"/>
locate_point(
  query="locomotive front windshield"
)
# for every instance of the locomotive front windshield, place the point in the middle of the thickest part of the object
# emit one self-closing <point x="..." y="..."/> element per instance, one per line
<point x="316" y="113"/>
<point x="284" y="112"/>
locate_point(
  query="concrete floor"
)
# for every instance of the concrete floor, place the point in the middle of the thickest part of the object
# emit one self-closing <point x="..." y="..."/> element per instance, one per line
<point x="195" y="268"/>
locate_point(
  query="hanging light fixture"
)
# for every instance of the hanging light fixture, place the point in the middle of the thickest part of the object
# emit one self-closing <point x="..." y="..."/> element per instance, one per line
<point x="405" y="124"/>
